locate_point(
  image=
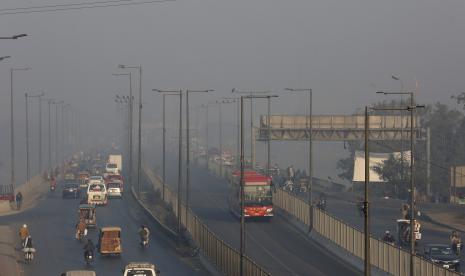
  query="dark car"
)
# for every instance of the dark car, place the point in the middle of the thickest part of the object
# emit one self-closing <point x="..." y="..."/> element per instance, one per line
<point x="443" y="255"/>
<point x="71" y="190"/>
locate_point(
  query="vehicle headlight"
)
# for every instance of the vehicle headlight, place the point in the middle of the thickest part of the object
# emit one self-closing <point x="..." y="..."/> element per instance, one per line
<point x="456" y="261"/>
<point x="269" y="210"/>
<point x="435" y="261"/>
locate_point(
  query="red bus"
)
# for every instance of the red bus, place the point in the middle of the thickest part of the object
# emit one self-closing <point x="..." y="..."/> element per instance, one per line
<point x="257" y="194"/>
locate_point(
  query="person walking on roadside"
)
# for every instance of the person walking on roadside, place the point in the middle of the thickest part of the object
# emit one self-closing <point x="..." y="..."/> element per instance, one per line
<point x="19" y="200"/>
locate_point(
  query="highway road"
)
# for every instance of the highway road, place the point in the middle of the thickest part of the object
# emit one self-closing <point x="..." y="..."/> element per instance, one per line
<point x="276" y="245"/>
<point x="52" y="223"/>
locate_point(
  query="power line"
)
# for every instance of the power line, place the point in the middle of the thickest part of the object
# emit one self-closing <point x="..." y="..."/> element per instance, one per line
<point x="77" y="6"/>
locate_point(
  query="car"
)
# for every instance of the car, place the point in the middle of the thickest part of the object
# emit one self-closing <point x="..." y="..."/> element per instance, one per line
<point x="71" y="190"/>
<point x="142" y="269"/>
<point x="443" y="255"/>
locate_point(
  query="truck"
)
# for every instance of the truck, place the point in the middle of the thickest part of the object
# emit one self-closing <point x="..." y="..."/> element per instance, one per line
<point x="114" y="164"/>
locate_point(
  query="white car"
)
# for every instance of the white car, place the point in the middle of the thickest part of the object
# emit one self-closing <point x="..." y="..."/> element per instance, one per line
<point x="140" y="269"/>
<point x="96" y="179"/>
<point x="97" y="194"/>
<point x="114" y="189"/>
<point x="112" y="168"/>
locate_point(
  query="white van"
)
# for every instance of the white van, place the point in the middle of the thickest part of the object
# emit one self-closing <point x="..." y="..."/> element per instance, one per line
<point x="97" y="194"/>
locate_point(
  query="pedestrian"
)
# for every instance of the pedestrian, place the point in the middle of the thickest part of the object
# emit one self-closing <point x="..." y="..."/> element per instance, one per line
<point x="19" y="200"/>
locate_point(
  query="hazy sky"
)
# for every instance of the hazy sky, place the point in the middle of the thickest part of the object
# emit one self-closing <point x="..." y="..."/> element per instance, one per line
<point x="344" y="50"/>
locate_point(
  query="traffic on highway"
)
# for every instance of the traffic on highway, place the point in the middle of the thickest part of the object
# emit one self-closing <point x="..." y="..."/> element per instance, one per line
<point x="238" y="138"/>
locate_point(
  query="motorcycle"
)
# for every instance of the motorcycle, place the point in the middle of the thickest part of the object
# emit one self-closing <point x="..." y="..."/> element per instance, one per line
<point x="457" y="247"/>
<point x="82" y="235"/>
<point x="321" y="204"/>
<point x="52" y="188"/>
<point x="144" y="242"/>
<point x="28" y="254"/>
<point x="89" y="257"/>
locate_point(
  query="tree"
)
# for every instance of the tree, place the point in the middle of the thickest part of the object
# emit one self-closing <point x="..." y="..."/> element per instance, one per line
<point x="391" y="172"/>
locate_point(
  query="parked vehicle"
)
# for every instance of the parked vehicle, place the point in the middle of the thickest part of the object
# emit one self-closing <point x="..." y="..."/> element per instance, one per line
<point x="109" y="242"/>
<point x="71" y="190"/>
<point x="144" y="269"/>
<point x="87" y="212"/>
<point x="443" y="255"/>
<point x="97" y="194"/>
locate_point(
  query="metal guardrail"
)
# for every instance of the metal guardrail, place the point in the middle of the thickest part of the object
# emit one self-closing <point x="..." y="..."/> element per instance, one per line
<point x="225" y="258"/>
<point x="386" y="257"/>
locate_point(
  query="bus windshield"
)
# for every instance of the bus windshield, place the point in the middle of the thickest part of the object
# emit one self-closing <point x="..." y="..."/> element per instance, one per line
<point x="258" y="194"/>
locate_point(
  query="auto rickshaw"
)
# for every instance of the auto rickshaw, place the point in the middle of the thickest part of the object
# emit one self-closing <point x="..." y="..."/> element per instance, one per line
<point x="403" y="231"/>
<point x="109" y="241"/>
<point x="87" y="212"/>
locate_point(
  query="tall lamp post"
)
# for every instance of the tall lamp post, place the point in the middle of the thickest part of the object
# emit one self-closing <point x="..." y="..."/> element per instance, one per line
<point x="251" y="93"/>
<point x="56" y="132"/>
<point x="131" y="100"/>
<point x="139" y="146"/>
<point x="27" y="96"/>
<point x="310" y="151"/>
<point x="49" y="102"/>
<point x="402" y="125"/>
<point x="179" y="194"/>
<point x="238" y="146"/>
<point x="12" y="129"/>
<point x="412" y="108"/>
<point x="188" y="142"/>
<point x="13" y="36"/>
<point x="242" y="229"/>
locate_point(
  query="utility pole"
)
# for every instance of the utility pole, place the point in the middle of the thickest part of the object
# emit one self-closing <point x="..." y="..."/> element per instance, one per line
<point x="179" y="194"/>
<point x="309" y="123"/>
<point x="131" y="120"/>
<point x="367" y="263"/>
<point x="40" y="133"/>
<point x="12" y="128"/>
<point x="252" y="144"/>
<point x="27" y="142"/>
<point x="188" y="142"/>
<point x="139" y="146"/>
<point x="242" y="242"/>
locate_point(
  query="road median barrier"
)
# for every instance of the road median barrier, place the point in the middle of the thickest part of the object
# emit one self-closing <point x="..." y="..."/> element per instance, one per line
<point x="220" y="254"/>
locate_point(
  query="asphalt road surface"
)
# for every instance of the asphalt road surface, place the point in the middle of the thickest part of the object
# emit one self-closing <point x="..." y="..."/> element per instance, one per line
<point x="275" y="245"/>
<point x="51" y="225"/>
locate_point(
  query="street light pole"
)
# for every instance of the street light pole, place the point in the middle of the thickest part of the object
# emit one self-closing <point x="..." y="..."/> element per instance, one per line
<point x="12" y="129"/>
<point x="139" y="146"/>
<point x="179" y="194"/>
<point x="412" y="109"/>
<point x="188" y="142"/>
<point x="27" y="96"/>
<point x="252" y="148"/>
<point x="130" y="99"/>
<point x="366" y="228"/>
<point x="310" y="152"/>
<point x="242" y="242"/>
<point x="13" y="36"/>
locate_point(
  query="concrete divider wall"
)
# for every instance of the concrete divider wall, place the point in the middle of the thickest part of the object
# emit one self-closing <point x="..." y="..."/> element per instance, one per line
<point x="223" y="256"/>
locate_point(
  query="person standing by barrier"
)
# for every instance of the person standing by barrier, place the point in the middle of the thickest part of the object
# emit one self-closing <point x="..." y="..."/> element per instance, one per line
<point x="19" y="200"/>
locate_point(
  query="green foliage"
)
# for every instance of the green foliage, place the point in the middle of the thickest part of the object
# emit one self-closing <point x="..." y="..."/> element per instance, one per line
<point x="447" y="128"/>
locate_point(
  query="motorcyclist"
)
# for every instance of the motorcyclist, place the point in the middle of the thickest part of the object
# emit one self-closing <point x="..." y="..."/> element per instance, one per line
<point x="144" y="233"/>
<point x="388" y="237"/>
<point x="455" y="239"/>
<point x="80" y="228"/>
<point x="23" y="233"/>
<point x="28" y="242"/>
<point x="89" y="248"/>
